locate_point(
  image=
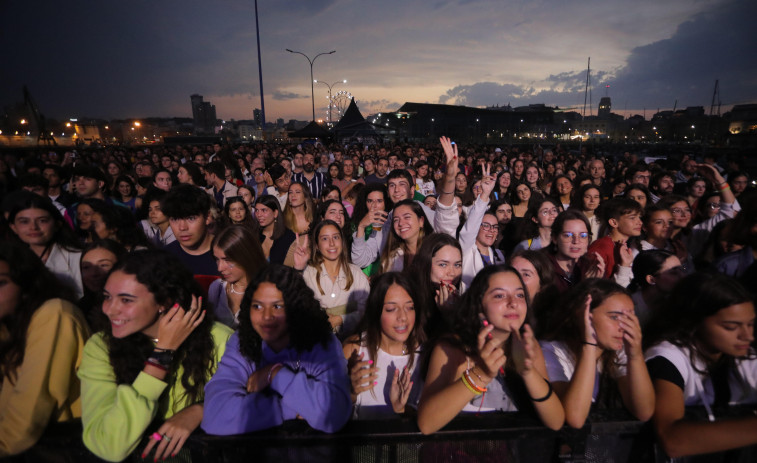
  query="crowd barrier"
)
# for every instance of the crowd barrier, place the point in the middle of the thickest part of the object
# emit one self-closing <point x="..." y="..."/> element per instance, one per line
<point x="608" y="437"/>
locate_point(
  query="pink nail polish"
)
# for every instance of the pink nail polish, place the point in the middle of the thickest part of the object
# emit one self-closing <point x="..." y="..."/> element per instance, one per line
<point x="370" y="362"/>
<point x="486" y="323"/>
<point x="375" y="383"/>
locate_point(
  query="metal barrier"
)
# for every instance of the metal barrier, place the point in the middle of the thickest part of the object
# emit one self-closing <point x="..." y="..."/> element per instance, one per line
<point x="608" y="437"/>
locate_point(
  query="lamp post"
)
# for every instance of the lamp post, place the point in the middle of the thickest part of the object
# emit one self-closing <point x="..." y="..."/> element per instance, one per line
<point x="344" y="81"/>
<point x="312" y="81"/>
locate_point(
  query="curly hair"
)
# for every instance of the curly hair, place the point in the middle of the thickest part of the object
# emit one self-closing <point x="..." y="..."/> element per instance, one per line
<point x="307" y="323"/>
<point x="37" y="285"/>
<point x="169" y="282"/>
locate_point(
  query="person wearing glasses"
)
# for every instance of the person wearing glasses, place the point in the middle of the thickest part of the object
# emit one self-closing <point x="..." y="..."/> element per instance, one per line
<point x="570" y="242"/>
<point x="480" y="231"/>
<point x="537" y="224"/>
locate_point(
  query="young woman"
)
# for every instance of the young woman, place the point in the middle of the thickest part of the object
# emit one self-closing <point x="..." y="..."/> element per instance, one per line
<point x="283" y="362"/>
<point x="409" y="226"/>
<point x="97" y="259"/>
<point x="521" y="200"/>
<point x="461" y="184"/>
<point x="126" y="192"/>
<point x="518" y="170"/>
<point x="237" y="212"/>
<point x="497" y="367"/>
<point x="537" y="224"/>
<point x="239" y="257"/>
<point x="695" y="189"/>
<point x="300" y="209"/>
<point x="116" y="223"/>
<point x="369" y="216"/>
<point x="533" y="178"/>
<point x="538" y="274"/>
<point x="190" y="173"/>
<point x="701" y="355"/>
<point x="655" y="273"/>
<point x="383" y="359"/>
<point x="152" y="361"/>
<point x="562" y="189"/>
<point x="156" y="227"/>
<point x="424" y="183"/>
<point x="638" y="193"/>
<point x="502" y="187"/>
<point x="248" y="196"/>
<point x="570" y="242"/>
<point x="275" y="238"/>
<point x="37" y="222"/>
<point x="586" y="200"/>
<point x="340" y="287"/>
<point x="40" y="349"/>
<point x="594" y="352"/>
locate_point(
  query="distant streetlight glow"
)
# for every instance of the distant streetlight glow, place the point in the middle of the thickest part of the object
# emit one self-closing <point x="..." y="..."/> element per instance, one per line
<point x="23" y="121"/>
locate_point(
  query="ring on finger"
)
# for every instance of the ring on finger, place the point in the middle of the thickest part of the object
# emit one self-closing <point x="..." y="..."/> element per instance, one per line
<point x="168" y="439"/>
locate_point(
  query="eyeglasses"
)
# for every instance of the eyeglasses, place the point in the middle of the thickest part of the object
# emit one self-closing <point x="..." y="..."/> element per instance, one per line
<point x="680" y="211"/>
<point x="487" y="227"/>
<point x="714" y="206"/>
<point x="547" y="212"/>
<point x="568" y="236"/>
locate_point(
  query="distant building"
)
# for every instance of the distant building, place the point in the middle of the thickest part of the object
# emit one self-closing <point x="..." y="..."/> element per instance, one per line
<point x="604" y="108"/>
<point x="204" y="115"/>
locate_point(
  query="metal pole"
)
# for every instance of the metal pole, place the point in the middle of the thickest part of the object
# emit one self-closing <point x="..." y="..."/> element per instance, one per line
<point x="344" y="81"/>
<point x="312" y="87"/>
<point x="260" y="70"/>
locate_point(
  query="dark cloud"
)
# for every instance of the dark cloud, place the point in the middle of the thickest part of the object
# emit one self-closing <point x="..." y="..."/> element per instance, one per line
<point x="282" y="95"/>
<point x="684" y="67"/>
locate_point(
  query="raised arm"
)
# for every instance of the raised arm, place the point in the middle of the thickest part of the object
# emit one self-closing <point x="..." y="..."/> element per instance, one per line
<point x="447" y="185"/>
<point x="635" y="388"/>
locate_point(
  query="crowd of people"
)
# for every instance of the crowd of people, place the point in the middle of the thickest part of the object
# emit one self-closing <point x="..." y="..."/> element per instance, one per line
<point x="155" y="292"/>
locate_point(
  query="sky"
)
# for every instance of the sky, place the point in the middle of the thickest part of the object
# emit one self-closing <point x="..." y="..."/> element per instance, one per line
<point x="140" y="58"/>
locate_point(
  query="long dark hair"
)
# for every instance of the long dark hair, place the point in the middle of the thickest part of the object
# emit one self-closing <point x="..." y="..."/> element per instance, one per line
<point x="170" y="282"/>
<point x="307" y="323"/>
<point x="63" y="236"/>
<point x="568" y="326"/>
<point x="316" y="258"/>
<point x="271" y="203"/>
<point x="394" y="242"/>
<point x="361" y="208"/>
<point x="420" y="273"/>
<point x="37" y="285"/>
<point x="374" y="308"/>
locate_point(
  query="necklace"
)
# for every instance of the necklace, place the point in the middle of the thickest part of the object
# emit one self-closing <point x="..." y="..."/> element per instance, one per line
<point x="231" y="287"/>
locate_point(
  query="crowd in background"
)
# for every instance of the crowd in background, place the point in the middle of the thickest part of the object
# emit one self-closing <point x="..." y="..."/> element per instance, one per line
<point x="156" y="291"/>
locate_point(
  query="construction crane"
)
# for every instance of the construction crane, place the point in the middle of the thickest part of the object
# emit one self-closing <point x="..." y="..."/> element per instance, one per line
<point x="43" y="136"/>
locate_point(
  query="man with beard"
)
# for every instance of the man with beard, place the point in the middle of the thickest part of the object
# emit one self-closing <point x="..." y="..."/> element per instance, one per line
<point x="314" y="180"/>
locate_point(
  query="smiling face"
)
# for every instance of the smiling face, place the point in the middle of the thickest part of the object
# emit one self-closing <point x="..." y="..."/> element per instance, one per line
<point x="546" y="214"/>
<point x="487" y="232"/>
<point x="330" y="242"/>
<point x="406" y="224"/>
<point x="268" y="316"/>
<point x="504" y="180"/>
<point x="95" y="266"/>
<point x="335" y="212"/>
<point x="124" y="189"/>
<point x="504" y="302"/>
<point x="532" y="175"/>
<point x="130" y="306"/>
<point x="681" y="214"/>
<point x="399" y="189"/>
<point x="446" y="265"/>
<point x="523" y="192"/>
<point x="729" y="331"/>
<point x="397" y="315"/>
<point x="606" y="320"/>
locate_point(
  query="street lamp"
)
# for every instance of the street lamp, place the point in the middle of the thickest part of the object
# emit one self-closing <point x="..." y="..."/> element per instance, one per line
<point x="344" y="81"/>
<point x="312" y="81"/>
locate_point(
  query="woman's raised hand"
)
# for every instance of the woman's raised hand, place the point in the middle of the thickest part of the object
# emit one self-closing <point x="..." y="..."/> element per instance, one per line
<point x="301" y="252"/>
<point x="597" y="268"/>
<point x="631" y="327"/>
<point x="491" y="353"/>
<point x="523" y="349"/>
<point x="401" y="387"/>
<point x="450" y="152"/>
<point x="487" y="182"/>
<point x="363" y="375"/>
<point x="177" y="324"/>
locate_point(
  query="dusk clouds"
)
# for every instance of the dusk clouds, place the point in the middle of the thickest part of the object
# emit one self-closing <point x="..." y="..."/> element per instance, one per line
<point x="141" y="58"/>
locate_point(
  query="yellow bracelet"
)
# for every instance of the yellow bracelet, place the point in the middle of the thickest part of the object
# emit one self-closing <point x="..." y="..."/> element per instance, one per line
<point x="467" y="384"/>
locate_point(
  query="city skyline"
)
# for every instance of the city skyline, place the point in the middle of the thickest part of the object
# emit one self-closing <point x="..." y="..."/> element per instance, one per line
<point x="141" y="59"/>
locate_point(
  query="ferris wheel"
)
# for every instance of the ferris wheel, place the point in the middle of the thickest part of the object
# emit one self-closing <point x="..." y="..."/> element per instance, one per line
<point x="339" y="104"/>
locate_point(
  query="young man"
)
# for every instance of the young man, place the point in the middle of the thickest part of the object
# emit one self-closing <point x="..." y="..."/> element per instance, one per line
<point x="162" y="179"/>
<point x="382" y="165"/>
<point x="662" y="185"/>
<point x="218" y="187"/>
<point x="622" y="217"/>
<point x="279" y="181"/>
<point x="314" y="180"/>
<point x="188" y="211"/>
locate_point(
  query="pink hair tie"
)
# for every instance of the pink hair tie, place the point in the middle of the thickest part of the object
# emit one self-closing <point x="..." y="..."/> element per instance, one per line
<point x="156" y="436"/>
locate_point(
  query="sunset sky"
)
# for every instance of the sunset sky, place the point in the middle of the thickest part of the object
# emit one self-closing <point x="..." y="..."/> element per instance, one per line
<point x="144" y="58"/>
